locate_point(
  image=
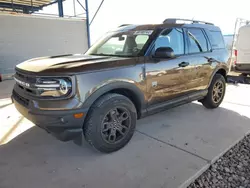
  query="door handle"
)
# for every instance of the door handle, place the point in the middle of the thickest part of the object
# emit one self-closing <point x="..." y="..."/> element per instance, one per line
<point x="211" y="60"/>
<point x="183" y="64"/>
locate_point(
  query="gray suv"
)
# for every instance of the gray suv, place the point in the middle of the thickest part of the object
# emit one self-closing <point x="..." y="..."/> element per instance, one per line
<point x="132" y="72"/>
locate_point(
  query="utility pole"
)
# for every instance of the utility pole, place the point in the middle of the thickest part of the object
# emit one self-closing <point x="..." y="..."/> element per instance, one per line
<point x="60" y="8"/>
<point x="87" y="21"/>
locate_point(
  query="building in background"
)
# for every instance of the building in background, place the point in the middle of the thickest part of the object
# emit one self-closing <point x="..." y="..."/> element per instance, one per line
<point x="26" y="33"/>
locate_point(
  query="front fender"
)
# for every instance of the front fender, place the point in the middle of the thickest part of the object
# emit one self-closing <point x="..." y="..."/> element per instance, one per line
<point x="135" y="88"/>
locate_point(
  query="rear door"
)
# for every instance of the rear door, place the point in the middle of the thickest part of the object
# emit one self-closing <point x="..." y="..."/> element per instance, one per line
<point x="200" y="58"/>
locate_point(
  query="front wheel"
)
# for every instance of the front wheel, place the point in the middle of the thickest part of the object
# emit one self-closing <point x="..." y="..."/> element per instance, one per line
<point x="110" y="123"/>
<point x="216" y="92"/>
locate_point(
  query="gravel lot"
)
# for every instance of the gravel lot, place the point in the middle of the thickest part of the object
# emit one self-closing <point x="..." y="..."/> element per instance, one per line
<point x="232" y="170"/>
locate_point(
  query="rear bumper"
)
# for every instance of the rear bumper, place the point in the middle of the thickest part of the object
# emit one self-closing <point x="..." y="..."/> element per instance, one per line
<point x="242" y="68"/>
<point x="61" y="124"/>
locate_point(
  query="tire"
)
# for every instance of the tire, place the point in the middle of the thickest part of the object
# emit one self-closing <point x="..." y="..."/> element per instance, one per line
<point x="102" y="119"/>
<point x="209" y="101"/>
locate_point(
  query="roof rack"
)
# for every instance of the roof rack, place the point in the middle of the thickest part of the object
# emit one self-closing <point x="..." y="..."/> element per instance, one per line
<point x="174" y="21"/>
<point x="124" y="25"/>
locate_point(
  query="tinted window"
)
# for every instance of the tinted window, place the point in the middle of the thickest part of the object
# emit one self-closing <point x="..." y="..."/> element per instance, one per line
<point x="198" y="42"/>
<point x="172" y="38"/>
<point x="216" y="39"/>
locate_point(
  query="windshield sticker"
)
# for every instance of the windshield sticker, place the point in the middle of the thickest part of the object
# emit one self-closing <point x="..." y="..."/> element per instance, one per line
<point x="143" y="32"/>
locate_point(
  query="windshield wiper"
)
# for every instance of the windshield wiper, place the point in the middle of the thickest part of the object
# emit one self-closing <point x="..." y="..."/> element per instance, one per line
<point x="114" y="55"/>
<point x="101" y="54"/>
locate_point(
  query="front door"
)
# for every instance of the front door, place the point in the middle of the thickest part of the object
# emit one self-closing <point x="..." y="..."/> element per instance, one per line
<point x="168" y="78"/>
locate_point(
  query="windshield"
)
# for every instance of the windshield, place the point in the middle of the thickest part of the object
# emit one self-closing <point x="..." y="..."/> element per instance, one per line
<point x="127" y="44"/>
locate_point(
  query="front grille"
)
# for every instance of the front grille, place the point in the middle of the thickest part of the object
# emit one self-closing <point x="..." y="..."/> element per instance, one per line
<point x="26" y="78"/>
<point x="31" y="80"/>
<point x="42" y="87"/>
<point x="30" y="91"/>
<point x="20" y="99"/>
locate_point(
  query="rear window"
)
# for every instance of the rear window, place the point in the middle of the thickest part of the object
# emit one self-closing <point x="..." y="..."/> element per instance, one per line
<point x="216" y="39"/>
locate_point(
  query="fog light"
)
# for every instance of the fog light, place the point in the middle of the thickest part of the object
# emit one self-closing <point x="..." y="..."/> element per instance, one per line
<point x="79" y="115"/>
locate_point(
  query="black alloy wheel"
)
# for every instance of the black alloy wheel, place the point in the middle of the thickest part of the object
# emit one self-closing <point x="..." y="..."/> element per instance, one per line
<point x="115" y="125"/>
<point x="110" y="123"/>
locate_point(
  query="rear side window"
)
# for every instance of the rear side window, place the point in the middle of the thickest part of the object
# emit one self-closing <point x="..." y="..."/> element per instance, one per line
<point x="216" y="39"/>
<point x="197" y="41"/>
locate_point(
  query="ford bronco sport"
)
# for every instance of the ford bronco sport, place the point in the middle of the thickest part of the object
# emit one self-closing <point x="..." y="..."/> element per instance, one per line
<point x="132" y="72"/>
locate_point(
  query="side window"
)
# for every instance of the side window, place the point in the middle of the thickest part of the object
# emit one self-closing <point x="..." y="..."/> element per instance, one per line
<point x="197" y="41"/>
<point x="216" y="39"/>
<point x="172" y="38"/>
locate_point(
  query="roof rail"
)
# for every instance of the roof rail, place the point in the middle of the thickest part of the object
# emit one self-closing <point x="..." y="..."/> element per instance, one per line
<point x="124" y="25"/>
<point x="174" y="21"/>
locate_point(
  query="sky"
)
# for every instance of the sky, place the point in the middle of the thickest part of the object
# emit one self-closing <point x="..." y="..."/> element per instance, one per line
<point x="113" y="13"/>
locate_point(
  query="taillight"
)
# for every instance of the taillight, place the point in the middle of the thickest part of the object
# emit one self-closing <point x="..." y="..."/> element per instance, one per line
<point x="235" y="54"/>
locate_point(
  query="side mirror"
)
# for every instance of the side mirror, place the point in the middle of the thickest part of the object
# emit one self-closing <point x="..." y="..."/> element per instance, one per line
<point x="164" y="52"/>
<point x="121" y="38"/>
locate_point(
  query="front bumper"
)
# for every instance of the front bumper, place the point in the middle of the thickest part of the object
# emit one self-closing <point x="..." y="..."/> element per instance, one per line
<point x="61" y="123"/>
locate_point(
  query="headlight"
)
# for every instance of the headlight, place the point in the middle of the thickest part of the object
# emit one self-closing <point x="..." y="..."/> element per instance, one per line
<point x="53" y="87"/>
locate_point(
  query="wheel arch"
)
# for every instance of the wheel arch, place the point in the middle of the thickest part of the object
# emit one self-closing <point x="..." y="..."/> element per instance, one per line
<point x="221" y="70"/>
<point x="130" y="90"/>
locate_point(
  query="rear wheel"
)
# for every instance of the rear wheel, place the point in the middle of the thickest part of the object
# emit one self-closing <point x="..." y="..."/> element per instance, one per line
<point x="216" y="92"/>
<point x="110" y="123"/>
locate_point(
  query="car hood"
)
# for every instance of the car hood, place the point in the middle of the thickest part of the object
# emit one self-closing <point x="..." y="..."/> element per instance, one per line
<point x="72" y="64"/>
